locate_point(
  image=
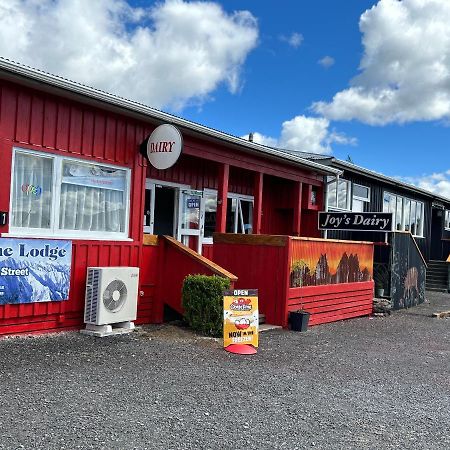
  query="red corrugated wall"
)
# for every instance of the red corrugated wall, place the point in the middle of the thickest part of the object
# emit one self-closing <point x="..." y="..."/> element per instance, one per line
<point x="42" y="122"/>
<point x="262" y="267"/>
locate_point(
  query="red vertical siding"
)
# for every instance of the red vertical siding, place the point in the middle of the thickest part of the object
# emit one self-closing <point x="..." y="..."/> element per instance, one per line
<point x="32" y="120"/>
<point x="261" y="267"/>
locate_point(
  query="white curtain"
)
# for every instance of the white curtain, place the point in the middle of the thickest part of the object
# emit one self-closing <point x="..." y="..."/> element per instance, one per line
<point x="91" y="209"/>
<point x="32" y="191"/>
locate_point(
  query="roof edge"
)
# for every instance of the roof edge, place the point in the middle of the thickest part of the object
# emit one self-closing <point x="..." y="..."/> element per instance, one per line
<point x="391" y="180"/>
<point x="25" y="71"/>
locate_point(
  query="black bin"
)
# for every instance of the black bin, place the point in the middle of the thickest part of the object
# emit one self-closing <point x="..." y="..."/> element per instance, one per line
<point x="299" y="320"/>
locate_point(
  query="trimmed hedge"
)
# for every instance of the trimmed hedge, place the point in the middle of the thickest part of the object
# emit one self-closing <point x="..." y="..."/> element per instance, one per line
<point x="203" y="303"/>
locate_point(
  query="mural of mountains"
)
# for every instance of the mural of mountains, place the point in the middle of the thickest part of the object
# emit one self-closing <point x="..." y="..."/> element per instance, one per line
<point x="347" y="271"/>
<point x="44" y="282"/>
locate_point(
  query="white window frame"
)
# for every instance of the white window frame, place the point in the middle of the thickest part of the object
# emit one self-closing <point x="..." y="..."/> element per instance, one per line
<point x="347" y="200"/>
<point x="418" y="233"/>
<point x="447" y="219"/>
<point x="238" y="197"/>
<point x="54" y="231"/>
<point x="357" y="197"/>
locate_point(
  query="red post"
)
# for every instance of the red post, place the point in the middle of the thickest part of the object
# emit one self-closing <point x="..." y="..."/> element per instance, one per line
<point x="297" y="208"/>
<point x="257" y="207"/>
<point x="221" y="219"/>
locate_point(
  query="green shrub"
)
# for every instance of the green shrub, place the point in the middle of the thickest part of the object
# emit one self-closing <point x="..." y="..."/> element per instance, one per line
<point x="203" y="303"/>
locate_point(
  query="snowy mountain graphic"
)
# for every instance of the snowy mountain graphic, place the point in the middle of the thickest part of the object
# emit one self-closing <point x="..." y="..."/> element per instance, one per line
<point x="45" y="282"/>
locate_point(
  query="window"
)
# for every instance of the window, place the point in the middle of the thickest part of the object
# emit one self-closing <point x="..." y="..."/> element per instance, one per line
<point x="408" y="213"/>
<point x="210" y="213"/>
<point x="447" y="220"/>
<point x="338" y="193"/>
<point x="239" y="214"/>
<point x="57" y="196"/>
<point x="361" y="196"/>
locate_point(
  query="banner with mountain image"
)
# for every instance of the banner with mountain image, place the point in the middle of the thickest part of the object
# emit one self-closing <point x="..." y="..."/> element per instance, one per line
<point x="317" y="263"/>
<point x="34" y="270"/>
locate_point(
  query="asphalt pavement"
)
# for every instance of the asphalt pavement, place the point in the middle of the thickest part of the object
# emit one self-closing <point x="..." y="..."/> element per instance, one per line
<point x="367" y="383"/>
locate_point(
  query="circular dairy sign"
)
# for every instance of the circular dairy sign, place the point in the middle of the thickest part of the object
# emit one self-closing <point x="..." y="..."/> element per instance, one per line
<point x="164" y="146"/>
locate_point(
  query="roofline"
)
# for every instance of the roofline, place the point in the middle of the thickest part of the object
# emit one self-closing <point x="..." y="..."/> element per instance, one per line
<point x="21" y="70"/>
<point x="389" y="180"/>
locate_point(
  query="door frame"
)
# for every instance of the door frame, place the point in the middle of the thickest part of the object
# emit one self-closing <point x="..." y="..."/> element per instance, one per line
<point x="151" y="185"/>
<point x="177" y="233"/>
<point x="183" y="232"/>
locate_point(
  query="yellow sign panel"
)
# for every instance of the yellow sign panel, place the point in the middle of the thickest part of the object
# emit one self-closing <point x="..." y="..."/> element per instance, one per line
<point x="240" y="317"/>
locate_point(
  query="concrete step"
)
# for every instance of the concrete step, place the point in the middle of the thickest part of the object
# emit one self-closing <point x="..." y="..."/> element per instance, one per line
<point x="268" y="327"/>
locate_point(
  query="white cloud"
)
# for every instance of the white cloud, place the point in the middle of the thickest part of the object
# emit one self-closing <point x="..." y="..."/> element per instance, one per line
<point x="168" y="55"/>
<point x="306" y="134"/>
<point x="294" y="40"/>
<point x="262" y="139"/>
<point x="405" y="69"/>
<point x="439" y="183"/>
<point x="326" y="62"/>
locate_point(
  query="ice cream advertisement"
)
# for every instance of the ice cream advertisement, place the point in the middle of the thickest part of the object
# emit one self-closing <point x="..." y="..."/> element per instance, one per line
<point x="240" y="317"/>
<point x="34" y="270"/>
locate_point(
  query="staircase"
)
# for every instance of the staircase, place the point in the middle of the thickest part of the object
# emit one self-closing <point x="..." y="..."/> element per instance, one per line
<point x="437" y="276"/>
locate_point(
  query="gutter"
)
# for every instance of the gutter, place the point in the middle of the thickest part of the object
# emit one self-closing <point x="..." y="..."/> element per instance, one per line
<point x="23" y="71"/>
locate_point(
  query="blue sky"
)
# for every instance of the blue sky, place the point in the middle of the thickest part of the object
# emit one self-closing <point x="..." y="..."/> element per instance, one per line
<point x="360" y="78"/>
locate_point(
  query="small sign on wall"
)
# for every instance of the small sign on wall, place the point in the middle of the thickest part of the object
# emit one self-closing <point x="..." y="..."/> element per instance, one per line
<point x="361" y="221"/>
<point x="193" y="203"/>
<point x="3" y="218"/>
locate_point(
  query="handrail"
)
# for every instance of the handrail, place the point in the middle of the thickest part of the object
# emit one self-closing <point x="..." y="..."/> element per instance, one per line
<point x="415" y="243"/>
<point x="314" y="239"/>
<point x="274" y="240"/>
<point x="216" y="269"/>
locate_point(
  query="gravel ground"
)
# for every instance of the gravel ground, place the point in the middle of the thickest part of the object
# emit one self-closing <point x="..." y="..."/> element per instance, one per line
<point x="377" y="383"/>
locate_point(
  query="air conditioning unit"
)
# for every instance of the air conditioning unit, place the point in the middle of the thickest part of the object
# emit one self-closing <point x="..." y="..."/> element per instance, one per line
<point x="111" y="295"/>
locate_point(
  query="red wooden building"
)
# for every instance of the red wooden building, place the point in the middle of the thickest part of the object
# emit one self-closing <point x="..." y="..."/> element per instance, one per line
<point x="52" y="129"/>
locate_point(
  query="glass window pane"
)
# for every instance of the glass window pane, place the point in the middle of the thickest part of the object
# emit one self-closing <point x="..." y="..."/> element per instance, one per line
<point x="358" y="205"/>
<point x="342" y="194"/>
<point x="210" y="213"/>
<point x="399" y="214"/>
<point x="331" y="195"/>
<point x="247" y="215"/>
<point x="386" y="202"/>
<point x="419" y="216"/>
<point x="92" y="198"/>
<point x="231" y="213"/>
<point x="413" y="217"/>
<point x="190" y="211"/>
<point x="32" y="191"/>
<point x="407" y="212"/>
<point x="361" y="191"/>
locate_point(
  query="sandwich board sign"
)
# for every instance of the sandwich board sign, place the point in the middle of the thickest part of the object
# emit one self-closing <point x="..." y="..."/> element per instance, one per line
<point x="240" y="321"/>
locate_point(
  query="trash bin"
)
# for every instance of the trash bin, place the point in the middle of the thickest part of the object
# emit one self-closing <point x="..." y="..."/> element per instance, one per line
<point x="299" y="320"/>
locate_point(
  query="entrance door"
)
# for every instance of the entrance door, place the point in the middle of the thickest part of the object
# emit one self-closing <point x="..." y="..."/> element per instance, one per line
<point x="191" y="215"/>
<point x="159" y="212"/>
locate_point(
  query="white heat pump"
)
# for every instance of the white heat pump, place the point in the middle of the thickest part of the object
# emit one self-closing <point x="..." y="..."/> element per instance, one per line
<point x="111" y="295"/>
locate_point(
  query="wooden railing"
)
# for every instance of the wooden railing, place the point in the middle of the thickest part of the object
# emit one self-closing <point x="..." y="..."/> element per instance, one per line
<point x="331" y="279"/>
<point x="175" y="263"/>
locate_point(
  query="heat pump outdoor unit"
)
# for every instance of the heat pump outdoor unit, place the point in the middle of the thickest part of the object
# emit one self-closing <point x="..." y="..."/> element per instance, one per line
<point x="111" y="295"/>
